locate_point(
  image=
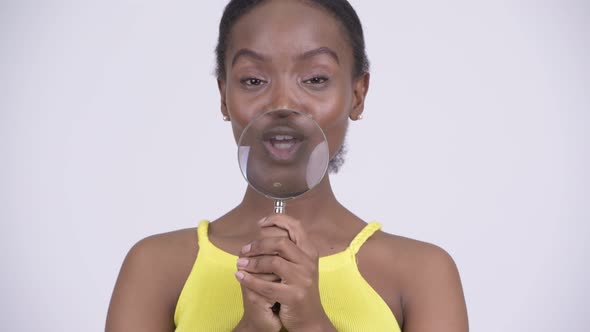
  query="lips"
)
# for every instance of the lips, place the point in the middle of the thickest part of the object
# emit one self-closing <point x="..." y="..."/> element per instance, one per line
<point x="282" y="143"/>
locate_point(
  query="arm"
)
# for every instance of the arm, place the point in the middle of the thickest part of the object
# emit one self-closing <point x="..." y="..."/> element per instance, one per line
<point x="145" y="293"/>
<point x="434" y="301"/>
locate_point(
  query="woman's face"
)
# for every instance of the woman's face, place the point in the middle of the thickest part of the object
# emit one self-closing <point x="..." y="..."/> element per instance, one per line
<point x="291" y="55"/>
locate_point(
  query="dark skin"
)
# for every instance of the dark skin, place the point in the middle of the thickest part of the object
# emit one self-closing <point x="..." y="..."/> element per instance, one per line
<point x="288" y="54"/>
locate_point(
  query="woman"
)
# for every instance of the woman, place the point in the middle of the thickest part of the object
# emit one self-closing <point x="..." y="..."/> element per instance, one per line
<point x="328" y="269"/>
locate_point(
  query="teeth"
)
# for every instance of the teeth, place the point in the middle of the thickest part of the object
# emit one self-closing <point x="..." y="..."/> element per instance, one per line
<point x="283" y="137"/>
<point x="283" y="145"/>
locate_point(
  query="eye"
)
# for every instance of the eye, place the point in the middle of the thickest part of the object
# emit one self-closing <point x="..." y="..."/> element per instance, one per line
<point x="316" y="80"/>
<point x="252" y="81"/>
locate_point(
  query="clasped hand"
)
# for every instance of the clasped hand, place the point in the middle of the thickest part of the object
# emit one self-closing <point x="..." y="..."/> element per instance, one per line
<point x="293" y="260"/>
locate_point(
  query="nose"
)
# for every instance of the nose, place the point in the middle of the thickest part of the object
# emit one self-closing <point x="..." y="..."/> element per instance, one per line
<point x="283" y="97"/>
<point x="283" y="113"/>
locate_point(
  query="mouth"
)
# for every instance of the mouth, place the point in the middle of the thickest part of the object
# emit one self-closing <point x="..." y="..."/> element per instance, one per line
<point x="282" y="143"/>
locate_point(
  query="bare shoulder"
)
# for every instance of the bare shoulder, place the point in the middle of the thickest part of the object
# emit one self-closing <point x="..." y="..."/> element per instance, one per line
<point x="150" y="280"/>
<point x="427" y="279"/>
<point x="167" y="256"/>
<point x="413" y="255"/>
<point x="168" y="249"/>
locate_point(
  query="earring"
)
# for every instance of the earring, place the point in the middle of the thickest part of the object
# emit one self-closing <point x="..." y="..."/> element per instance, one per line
<point x="225" y="118"/>
<point x="359" y="117"/>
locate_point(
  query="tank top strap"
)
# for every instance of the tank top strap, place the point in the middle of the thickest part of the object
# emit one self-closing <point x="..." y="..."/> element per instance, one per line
<point x="363" y="235"/>
<point x="209" y="249"/>
<point x="203" y="233"/>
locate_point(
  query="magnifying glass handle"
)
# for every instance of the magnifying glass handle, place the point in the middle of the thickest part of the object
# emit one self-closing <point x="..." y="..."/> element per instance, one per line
<point x="279" y="206"/>
<point x="279" y="209"/>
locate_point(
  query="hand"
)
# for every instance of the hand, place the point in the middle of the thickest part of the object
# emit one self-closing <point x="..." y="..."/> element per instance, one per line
<point x="295" y="260"/>
<point x="258" y="315"/>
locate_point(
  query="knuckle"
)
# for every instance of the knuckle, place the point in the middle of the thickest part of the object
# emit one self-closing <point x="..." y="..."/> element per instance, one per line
<point x="299" y="296"/>
<point x="276" y="262"/>
<point x="256" y="248"/>
<point x="253" y="246"/>
<point x="313" y="269"/>
<point x="282" y="233"/>
<point x="267" y="291"/>
<point x="250" y="297"/>
<point x="307" y="282"/>
<point x="256" y="301"/>
<point x="282" y="242"/>
<point x="254" y="263"/>
<point x="312" y="253"/>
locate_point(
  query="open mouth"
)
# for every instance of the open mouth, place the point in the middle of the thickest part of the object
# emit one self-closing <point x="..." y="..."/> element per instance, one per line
<point x="282" y="143"/>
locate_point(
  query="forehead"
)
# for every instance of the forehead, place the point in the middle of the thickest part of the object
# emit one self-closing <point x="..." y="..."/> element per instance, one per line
<point x="288" y="27"/>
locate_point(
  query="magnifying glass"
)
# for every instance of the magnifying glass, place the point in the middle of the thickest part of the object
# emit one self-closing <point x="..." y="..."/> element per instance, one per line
<point x="282" y="155"/>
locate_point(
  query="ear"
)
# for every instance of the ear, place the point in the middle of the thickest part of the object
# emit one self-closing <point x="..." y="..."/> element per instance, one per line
<point x="360" y="89"/>
<point x="221" y="87"/>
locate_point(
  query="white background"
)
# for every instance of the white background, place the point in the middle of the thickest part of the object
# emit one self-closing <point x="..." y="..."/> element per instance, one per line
<point x="475" y="138"/>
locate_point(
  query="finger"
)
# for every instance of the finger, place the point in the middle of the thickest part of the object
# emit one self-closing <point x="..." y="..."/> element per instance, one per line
<point x="264" y="276"/>
<point x="295" y="230"/>
<point x="268" y="264"/>
<point x="274" y="246"/>
<point x="290" y="225"/>
<point x="268" y="277"/>
<point x="272" y="231"/>
<point x="271" y="291"/>
<point x="249" y="296"/>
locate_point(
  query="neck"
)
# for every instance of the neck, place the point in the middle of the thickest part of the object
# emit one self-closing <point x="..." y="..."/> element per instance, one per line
<point x="317" y="206"/>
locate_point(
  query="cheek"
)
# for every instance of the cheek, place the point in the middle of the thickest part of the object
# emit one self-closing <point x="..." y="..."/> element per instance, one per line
<point x="237" y="130"/>
<point x="335" y="135"/>
<point x="242" y="109"/>
<point x="333" y="120"/>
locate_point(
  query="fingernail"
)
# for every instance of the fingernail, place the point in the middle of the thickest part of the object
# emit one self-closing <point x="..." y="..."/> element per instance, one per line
<point x="246" y="248"/>
<point x="239" y="275"/>
<point x="261" y="221"/>
<point x="243" y="262"/>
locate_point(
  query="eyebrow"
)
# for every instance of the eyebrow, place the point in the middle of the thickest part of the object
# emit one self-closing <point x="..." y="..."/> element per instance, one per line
<point x="318" y="51"/>
<point x="245" y="52"/>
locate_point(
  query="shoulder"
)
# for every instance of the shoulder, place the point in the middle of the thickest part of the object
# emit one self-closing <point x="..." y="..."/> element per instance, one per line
<point x="428" y="279"/>
<point x="166" y="248"/>
<point x="415" y="263"/>
<point x="150" y="281"/>
<point x="414" y="255"/>
<point x="164" y="260"/>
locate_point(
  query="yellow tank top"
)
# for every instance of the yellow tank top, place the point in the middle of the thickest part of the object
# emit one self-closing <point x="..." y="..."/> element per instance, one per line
<point x="211" y="299"/>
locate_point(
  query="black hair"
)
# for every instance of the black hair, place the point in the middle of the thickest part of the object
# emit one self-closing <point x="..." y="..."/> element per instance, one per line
<point x="340" y="9"/>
